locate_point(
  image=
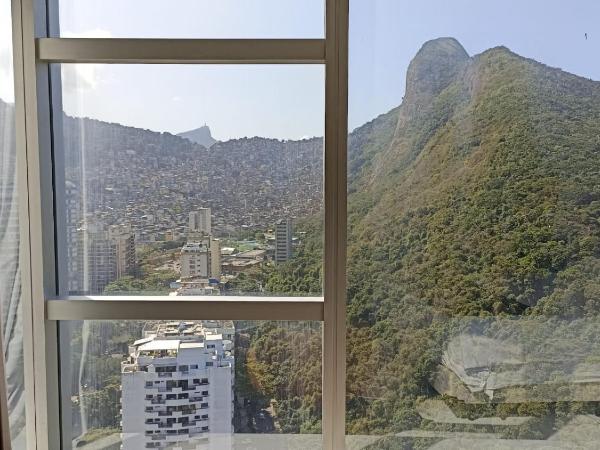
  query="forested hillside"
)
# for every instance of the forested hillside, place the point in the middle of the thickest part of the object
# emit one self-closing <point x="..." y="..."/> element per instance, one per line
<point x="478" y="196"/>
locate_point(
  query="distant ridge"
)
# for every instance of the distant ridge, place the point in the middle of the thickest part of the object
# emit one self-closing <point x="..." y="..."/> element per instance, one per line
<point x="200" y="136"/>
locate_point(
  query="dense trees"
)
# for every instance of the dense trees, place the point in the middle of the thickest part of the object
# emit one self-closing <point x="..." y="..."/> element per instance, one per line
<point x="483" y="203"/>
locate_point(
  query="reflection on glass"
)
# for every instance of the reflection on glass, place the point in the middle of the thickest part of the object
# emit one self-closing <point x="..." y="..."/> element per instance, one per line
<point x="473" y="250"/>
<point x="225" y="19"/>
<point x="10" y="284"/>
<point x="193" y="384"/>
<point x="183" y="212"/>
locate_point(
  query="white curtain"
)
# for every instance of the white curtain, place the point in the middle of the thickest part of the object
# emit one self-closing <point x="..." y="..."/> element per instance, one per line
<point x="10" y="285"/>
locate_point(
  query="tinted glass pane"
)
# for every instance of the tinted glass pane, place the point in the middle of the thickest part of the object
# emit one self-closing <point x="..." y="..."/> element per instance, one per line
<point x="473" y="249"/>
<point x="197" y="384"/>
<point x="191" y="180"/>
<point x="10" y="283"/>
<point x="192" y="19"/>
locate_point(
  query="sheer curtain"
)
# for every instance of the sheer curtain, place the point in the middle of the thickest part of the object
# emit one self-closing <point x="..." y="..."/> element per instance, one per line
<point x="10" y="285"/>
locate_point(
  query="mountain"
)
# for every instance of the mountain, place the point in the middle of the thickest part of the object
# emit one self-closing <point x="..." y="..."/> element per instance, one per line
<point x="128" y="174"/>
<point x="477" y="197"/>
<point x="200" y="136"/>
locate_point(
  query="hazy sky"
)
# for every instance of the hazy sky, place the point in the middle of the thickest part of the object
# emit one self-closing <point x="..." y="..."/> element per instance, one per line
<point x="6" y="75"/>
<point x="287" y="101"/>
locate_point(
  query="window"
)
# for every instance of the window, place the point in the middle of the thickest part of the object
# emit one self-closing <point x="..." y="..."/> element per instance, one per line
<point x="96" y="398"/>
<point x="210" y="223"/>
<point x="191" y="19"/>
<point x="472" y="225"/>
<point x="231" y="271"/>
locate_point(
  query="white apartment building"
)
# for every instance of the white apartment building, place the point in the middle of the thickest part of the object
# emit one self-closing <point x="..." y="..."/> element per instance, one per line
<point x="200" y="221"/>
<point x="177" y="388"/>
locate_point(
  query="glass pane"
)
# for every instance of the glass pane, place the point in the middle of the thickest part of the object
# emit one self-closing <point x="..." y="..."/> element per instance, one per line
<point x="192" y="384"/>
<point x="473" y="250"/>
<point x="11" y="328"/>
<point x="231" y="207"/>
<point x="192" y="19"/>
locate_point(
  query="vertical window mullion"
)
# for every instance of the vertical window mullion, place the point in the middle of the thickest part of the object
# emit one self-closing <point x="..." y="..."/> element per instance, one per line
<point x="334" y="359"/>
<point x="24" y="247"/>
<point x="41" y="226"/>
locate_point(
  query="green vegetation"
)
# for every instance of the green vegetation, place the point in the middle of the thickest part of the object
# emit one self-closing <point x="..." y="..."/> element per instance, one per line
<point x="300" y="276"/>
<point x="486" y="203"/>
<point x="278" y="365"/>
<point x="96" y="351"/>
<point x="149" y="280"/>
<point x="155" y="283"/>
<point x="482" y="203"/>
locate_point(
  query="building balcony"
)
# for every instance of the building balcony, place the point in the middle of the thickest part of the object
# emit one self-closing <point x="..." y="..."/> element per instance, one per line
<point x="171" y="390"/>
<point x="157" y="361"/>
<point x="198" y="404"/>
<point x="178" y="402"/>
<point x="150" y="423"/>
<point x="176" y="437"/>
<point x="129" y="368"/>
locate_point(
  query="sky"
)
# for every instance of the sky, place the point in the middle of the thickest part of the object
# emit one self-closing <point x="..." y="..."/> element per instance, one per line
<point x="287" y="101"/>
<point x="6" y="74"/>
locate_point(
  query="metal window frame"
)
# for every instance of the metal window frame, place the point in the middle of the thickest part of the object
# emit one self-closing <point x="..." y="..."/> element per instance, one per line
<point x="43" y="302"/>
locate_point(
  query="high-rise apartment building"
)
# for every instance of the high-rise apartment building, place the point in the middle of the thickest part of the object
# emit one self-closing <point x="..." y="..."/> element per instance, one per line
<point x="283" y="240"/>
<point x="123" y="241"/>
<point x="215" y="258"/>
<point x="200" y="222"/>
<point x="108" y="254"/>
<point x="74" y="248"/>
<point x="177" y="387"/>
<point x="201" y="259"/>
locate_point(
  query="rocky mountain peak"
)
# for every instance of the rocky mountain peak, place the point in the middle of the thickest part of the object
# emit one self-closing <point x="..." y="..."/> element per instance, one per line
<point x="200" y="136"/>
<point x="434" y="67"/>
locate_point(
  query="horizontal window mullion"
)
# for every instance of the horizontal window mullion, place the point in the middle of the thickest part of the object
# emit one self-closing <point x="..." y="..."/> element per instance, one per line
<point x="181" y="51"/>
<point x="190" y="308"/>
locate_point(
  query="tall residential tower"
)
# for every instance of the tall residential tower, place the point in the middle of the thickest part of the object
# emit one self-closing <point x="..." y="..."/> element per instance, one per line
<point x="200" y="222"/>
<point x="177" y="387"/>
<point x="283" y="240"/>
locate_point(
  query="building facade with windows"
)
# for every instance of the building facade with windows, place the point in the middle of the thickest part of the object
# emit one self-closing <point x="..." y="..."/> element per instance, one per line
<point x="106" y="254"/>
<point x="200" y="221"/>
<point x="201" y="259"/>
<point x="283" y="240"/>
<point x="177" y="388"/>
